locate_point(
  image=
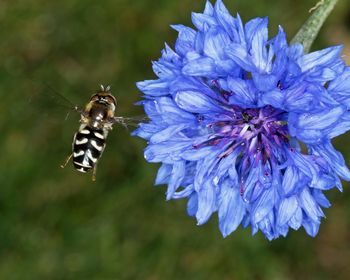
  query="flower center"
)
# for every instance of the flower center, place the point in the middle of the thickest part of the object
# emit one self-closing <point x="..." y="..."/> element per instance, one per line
<point x="255" y="132"/>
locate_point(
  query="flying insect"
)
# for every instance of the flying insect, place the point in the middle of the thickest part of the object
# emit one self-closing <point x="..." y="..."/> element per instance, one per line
<point x="96" y="120"/>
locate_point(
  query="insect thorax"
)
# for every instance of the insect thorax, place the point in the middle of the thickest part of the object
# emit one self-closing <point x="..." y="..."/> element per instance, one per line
<point x="98" y="115"/>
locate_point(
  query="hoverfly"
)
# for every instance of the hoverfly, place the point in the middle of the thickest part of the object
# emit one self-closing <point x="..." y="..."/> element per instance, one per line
<point x="96" y="120"/>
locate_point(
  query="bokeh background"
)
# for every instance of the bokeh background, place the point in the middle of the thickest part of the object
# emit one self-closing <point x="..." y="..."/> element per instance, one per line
<point x="56" y="223"/>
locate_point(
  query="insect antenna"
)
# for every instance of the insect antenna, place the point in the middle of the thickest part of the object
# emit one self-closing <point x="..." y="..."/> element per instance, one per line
<point x="105" y="88"/>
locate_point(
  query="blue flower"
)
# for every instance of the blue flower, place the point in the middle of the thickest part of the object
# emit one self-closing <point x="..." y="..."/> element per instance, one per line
<point x="242" y="124"/>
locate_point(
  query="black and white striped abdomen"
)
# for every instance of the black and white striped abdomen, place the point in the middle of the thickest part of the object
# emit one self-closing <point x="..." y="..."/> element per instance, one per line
<point x="88" y="145"/>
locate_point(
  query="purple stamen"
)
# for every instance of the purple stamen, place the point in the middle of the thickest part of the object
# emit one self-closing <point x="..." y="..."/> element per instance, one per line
<point x="259" y="129"/>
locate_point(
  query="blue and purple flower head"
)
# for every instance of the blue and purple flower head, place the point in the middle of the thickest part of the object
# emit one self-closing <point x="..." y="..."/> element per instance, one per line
<point x="242" y="124"/>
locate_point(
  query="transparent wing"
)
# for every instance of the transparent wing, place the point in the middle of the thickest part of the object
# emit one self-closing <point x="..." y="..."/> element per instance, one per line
<point x="45" y="95"/>
<point x="61" y="100"/>
<point x="130" y="121"/>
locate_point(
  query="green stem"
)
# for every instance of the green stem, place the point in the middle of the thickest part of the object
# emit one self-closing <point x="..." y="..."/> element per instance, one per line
<point x="308" y="32"/>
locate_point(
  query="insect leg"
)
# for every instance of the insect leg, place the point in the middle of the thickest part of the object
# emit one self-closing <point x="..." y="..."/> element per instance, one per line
<point x="94" y="173"/>
<point x="66" y="161"/>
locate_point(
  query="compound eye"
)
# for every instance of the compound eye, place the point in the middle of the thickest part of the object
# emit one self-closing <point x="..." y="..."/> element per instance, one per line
<point x="94" y="98"/>
<point x="110" y="99"/>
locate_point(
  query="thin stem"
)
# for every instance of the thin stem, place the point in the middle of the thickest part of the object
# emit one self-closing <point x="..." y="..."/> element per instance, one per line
<point x="308" y="32"/>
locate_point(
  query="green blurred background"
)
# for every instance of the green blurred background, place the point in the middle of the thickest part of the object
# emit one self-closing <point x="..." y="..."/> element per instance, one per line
<point x="56" y="223"/>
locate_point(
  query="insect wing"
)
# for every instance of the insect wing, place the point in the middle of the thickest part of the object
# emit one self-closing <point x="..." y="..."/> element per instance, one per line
<point x="46" y="96"/>
<point x="131" y="121"/>
<point x="61" y="100"/>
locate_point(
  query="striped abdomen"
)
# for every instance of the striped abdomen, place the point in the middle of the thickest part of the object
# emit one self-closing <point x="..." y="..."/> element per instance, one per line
<point x="88" y="145"/>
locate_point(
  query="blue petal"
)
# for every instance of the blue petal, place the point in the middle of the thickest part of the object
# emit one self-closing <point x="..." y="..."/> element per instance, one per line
<point x="177" y="175"/>
<point x="192" y="205"/>
<point x="183" y="83"/>
<point x="258" y="50"/>
<point x="309" y="205"/>
<point x="339" y="88"/>
<point x="274" y="98"/>
<point x="296" y="220"/>
<point x="187" y="191"/>
<point x="154" y="87"/>
<point x="163" y="174"/>
<point x="266" y="225"/>
<point x="225" y="19"/>
<point x="308" y="136"/>
<point x="199" y="42"/>
<point x="265" y="82"/>
<point x="243" y="92"/>
<point x="286" y="210"/>
<point x="282" y="230"/>
<point x="164" y="70"/>
<point x="325" y="182"/>
<point x="241" y="37"/>
<point x="168" y="110"/>
<point x="341" y="127"/>
<point x="296" y="51"/>
<point x="185" y="40"/>
<point x="311" y="227"/>
<point x="320" y="120"/>
<point x="252" y="185"/>
<point x="206" y="203"/>
<point x="320" y="198"/>
<point x="239" y="55"/>
<point x="204" y="66"/>
<point x="299" y="99"/>
<point x="290" y="180"/>
<point x="280" y="41"/>
<point x="253" y="26"/>
<point x="202" y="20"/>
<point x="226" y="166"/>
<point x="263" y="205"/>
<point x="228" y="67"/>
<point x="146" y="130"/>
<point x="231" y="208"/>
<point x="233" y="174"/>
<point x="320" y="58"/>
<point x="306" y="166"/>
<point x="150" y="108"/>
<point x="197" y="154"/>
<point x="192" y="55"/>
<point x="209" y="9"/>
<point x="169" y="55"/>
<point x="322" y="75"/>
<point x="196" y="102"/>
<point x="334" y="159"/>
<point x="168" y="133"/>
<point x="279" y="67"/>
<point x="205" y="167"/>
<point x="214" y="41"/>
<point x="166" y="152"/>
